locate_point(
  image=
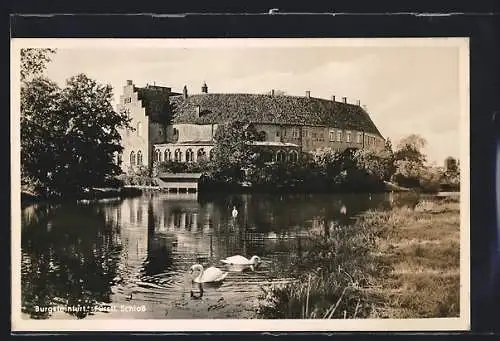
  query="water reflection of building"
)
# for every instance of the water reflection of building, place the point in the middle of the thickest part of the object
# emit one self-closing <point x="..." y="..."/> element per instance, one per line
<point x="131" y="216"/>
<point x="180" y="230"/>
<point x="197" y="229"/>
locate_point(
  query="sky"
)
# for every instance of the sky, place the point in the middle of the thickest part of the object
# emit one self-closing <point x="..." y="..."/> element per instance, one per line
<point x="406" y="89"/>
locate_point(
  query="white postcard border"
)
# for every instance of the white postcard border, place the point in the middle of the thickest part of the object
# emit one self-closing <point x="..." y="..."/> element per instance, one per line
<point x="173" y="325"/>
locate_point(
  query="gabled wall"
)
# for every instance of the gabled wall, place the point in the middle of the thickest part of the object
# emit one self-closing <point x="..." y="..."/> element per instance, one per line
<point x="134" y="141"/>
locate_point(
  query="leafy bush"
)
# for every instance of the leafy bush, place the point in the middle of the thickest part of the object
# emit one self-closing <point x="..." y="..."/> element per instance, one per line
<point x="430" y="179"/>
<point x="134" y="180"/>
<point x="172" y="166"/>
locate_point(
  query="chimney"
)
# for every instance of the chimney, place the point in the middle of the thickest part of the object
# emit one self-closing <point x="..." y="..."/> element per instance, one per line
<point x="358" y="103"/>
<point x="129" y="82"/>
<point x="185" y="92"/>
<point x="197" y="111"/>
<point x="272" y="92"/>
<point x="308" y="94"/>
<point x="333" y="98"/>
<point x="204" y="88"/>
<point x="344" y="99"/>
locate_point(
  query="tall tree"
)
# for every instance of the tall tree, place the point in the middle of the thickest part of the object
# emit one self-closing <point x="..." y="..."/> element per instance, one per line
<point x="69" y="137"/>
<point x="34" y="61"/>
<point x="410" y="149"/>
<point x="87" y="135"/>
<point x="39" y="100"/>
<point x="232" y="151"/>
<point x="40" y="114"/>
<point x="410" y="160"/>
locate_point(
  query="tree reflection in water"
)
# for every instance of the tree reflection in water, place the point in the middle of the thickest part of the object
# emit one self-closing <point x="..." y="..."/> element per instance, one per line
<point x="159" y="255"/>
<point x="69" y="258"/>
<point x="72" y="255"/>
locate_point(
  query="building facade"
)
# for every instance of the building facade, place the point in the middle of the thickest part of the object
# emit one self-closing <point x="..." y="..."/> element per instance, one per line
<point x="171" y="126"/>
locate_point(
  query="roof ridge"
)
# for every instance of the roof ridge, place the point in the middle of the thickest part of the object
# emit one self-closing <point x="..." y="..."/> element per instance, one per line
<point x="265" y="95"/>
<point x="260" y="108"/>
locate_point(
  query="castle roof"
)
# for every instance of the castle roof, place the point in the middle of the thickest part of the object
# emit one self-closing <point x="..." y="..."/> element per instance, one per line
<point x="219" y="108"/>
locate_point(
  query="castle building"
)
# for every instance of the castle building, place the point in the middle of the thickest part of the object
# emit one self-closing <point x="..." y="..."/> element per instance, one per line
<point x="181" y="127"/>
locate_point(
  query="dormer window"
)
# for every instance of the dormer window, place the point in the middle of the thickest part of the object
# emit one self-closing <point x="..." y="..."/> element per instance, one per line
<point x="128" y="100"/>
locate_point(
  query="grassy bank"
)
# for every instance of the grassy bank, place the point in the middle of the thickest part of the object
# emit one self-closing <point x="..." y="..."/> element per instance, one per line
<point x="422" y="246"/>
<point x="402" y="263"/>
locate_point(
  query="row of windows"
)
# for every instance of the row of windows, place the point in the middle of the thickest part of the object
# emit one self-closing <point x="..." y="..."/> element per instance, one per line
<point x="280" y="156"/>
<point x="136" y="159"/>
<point x="334" y="135"/>
<point x="338" y="135"/>
<point x="295" y="133"/>
<point x="177" y="155"/>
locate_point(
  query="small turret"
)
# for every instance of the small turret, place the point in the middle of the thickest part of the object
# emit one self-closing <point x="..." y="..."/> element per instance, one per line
<point x="204" y="88"/>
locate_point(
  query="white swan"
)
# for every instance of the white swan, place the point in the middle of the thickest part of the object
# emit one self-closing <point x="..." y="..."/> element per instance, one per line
<point x="234" y="213"/>
<point x="210" y="275"/>
<point x="240" y="260"/>
<point x="343" y="210"/>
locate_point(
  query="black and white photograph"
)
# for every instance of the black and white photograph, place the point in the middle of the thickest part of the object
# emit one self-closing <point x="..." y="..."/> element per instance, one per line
<point x="240" y="184"/>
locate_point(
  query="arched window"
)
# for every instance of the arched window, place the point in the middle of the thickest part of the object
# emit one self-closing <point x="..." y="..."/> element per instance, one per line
<point x="201" y="154"/>
<point x="132" y="158"/>
<point x="294" y="156"/>
<point x="157" y="155"/>
<point x="280" y="156"/>
<point x="139" y="158"/>
<point x="167" y="156"/>
<point x="262" y="136"/>
<point x="177" y="155"/>
<point x="189" y="155"/>
<point x="139" y="129"/>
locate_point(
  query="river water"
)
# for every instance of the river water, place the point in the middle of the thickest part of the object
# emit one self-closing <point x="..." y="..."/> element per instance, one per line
<point x="129" y="258"/>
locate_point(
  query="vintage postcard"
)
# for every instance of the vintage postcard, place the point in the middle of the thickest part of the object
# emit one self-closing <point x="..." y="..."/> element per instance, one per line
<point x="240" y="184"/>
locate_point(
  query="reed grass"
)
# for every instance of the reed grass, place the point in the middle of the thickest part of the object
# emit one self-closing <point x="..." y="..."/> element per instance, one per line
<point x="389" y="264"/>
